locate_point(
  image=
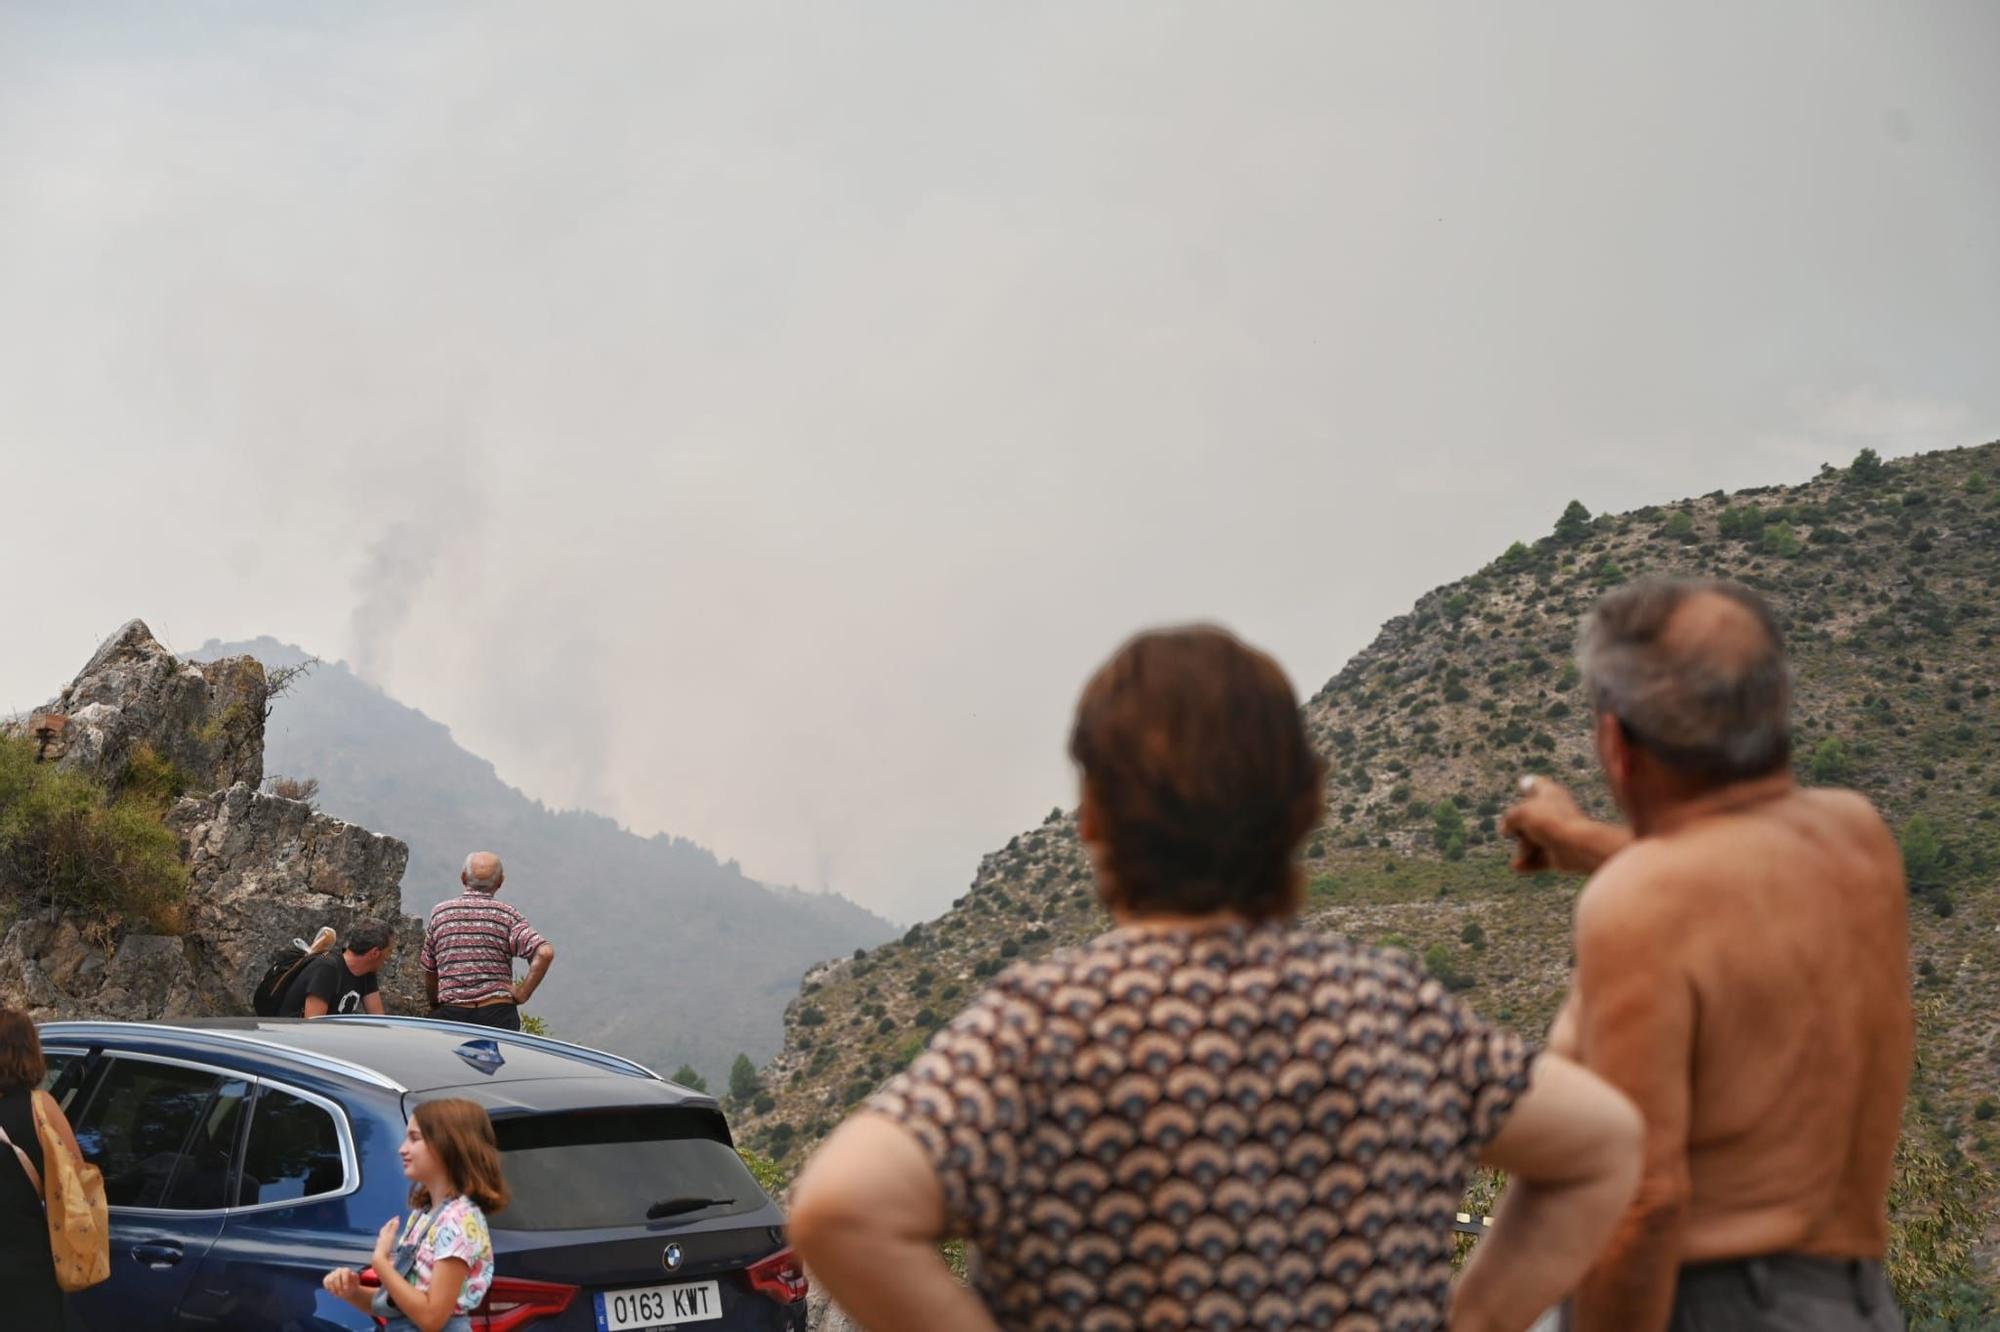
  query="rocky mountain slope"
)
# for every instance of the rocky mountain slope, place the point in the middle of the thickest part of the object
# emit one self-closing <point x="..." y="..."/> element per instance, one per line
<point x="664" y="953"/>
<point x="1885" y="577"/>
<point x="142" y="875"/>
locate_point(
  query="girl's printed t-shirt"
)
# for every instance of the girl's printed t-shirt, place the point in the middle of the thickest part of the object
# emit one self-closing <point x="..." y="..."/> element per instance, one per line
<point x="457" y="1230"/>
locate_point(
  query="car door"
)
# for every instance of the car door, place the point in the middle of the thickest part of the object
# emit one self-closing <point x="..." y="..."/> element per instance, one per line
<point x="296" y="1214"/>
<point x="165" y="1133"/>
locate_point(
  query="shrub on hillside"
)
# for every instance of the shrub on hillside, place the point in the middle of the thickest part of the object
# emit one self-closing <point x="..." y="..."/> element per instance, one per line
<point x="1574" y="525"/>
<point x="64" y="838"/>
<point x="1832" y="763"/>
<point x="1924" y="854"/>
<point x="1443" y="968"/>
<point x="743" y="1081"/>
<point x="1448" y="829"/>
<point x="1779" y="539"/>
<point x="687" y="1077"/>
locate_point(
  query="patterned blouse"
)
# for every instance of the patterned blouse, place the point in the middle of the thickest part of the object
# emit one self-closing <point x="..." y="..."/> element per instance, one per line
<point x="1225" y="1128"/>
<point x="457" y="1231"/>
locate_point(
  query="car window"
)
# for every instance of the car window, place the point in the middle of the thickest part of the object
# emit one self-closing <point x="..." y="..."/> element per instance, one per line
<point x="64" y="1076"/>
<point x="611" y="1168"/>
<point x="139" y="1120"/>
<point x="294" y="1151"/>
<point x="202" y="1180"/>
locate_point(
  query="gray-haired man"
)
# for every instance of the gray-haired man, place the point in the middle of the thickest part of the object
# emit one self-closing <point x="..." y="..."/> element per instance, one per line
<point x="469" y="950"/>
<point x="1742" y="973"/>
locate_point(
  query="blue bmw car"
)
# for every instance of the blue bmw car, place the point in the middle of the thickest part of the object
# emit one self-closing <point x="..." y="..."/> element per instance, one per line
<point x="244" y="1158"/>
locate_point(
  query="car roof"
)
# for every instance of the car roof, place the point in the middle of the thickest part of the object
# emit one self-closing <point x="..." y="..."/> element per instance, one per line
<point x="401" y="1054"/>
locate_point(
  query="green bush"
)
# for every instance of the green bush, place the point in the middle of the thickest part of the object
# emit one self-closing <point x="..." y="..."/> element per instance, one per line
<point x="1443" y="968"/>
<point x="1678" y="527"/>
<point x="64" y="838"/>
<point x="1866" y="469"/>
<point x="1574" y="525"/>
<point x="687" y="1077"/>
<point x="743" y="1081"/>
<point x="1780" y="540"/>
<point x="1832" y="763"/>
<point x="770" y="1176"/>
<point x="1924" y="854"/>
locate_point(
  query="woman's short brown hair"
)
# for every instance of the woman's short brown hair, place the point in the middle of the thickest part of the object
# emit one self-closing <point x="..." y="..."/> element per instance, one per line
<point x="21" y="1064"/>
<point x="1197" y="769"/>
<point x="461" y="1137"/>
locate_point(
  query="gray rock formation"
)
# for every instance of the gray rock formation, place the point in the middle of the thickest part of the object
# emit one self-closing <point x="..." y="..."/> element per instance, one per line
<point x="208" y="720"/>
<point x="261" y="870"/>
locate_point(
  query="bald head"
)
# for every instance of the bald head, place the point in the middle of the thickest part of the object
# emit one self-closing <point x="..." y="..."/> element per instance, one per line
<point x="1694" y="671"/>
<point x="482" y="872"/>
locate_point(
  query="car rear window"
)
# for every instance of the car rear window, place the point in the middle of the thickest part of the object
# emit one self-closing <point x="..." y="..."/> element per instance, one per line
<point x="585" y="1169"/>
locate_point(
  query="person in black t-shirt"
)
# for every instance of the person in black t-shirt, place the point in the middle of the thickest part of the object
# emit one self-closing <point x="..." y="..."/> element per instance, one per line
<point x="342" y="982"/>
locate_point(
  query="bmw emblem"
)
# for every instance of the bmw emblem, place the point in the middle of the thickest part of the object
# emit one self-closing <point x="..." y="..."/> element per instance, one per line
<point x="672" y="1257"/>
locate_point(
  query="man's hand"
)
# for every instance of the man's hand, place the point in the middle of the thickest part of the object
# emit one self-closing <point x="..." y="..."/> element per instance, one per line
<point x="1553" y="832"/>
<point x="522" y="992"/>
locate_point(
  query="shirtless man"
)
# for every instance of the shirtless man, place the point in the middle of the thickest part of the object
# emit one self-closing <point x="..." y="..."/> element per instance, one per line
<point x="1742" y="973"/>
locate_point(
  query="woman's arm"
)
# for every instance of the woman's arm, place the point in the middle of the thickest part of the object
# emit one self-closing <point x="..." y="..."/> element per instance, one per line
<point x="866" y="1217"/>
<point x="428" y="1309"/>
<point x="1572" y="1147"/>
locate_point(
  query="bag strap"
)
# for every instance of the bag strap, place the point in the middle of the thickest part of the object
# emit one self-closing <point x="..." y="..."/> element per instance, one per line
<point x="34" y="1175"/>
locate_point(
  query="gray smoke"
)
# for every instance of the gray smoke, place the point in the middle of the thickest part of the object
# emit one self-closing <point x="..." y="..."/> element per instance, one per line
<point x="399" y="565"/>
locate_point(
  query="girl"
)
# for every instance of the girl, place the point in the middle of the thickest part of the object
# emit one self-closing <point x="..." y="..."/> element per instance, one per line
<point x="440" y="1271"/>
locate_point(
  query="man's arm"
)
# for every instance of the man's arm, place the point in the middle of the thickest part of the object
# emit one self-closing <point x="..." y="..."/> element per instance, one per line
<point x="1571" y="1146"/>
<point x="1553" y="832"/>
<point x="321" y="984"/>
<point x="538" y="967"/>
<point x="371" y="1002"/>
<point x="1635" y="1011"/>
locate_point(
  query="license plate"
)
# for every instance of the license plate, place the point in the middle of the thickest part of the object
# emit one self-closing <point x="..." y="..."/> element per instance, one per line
<point x="658" y="1306"/>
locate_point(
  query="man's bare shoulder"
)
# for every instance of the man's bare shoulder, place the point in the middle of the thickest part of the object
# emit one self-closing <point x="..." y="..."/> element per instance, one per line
<point x="1849" y="811"/>
<point x="1636" y="895"/>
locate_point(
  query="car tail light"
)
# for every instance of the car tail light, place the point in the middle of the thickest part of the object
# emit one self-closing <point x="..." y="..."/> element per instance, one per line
<point x="781" y="1276"/>
<point x="512" y="1303"/>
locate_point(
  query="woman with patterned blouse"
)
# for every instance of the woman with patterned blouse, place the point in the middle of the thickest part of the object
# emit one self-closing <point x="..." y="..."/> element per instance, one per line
<point x="442" y="1266"/>
<point x="1209" y="1117"/>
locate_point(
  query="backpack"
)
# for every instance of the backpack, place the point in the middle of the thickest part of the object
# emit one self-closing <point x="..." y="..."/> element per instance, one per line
<point x="73" y="1201"/>
<point x="269" y="995"/>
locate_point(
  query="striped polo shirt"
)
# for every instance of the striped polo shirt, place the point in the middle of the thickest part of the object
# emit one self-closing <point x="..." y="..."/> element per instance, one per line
<point x="471" y="943"/>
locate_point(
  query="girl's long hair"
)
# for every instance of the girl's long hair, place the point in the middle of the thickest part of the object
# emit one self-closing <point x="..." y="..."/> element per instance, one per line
<point x="461" y="1137"/>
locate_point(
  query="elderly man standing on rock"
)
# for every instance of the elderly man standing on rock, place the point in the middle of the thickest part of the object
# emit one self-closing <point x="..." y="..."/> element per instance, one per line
<point x="1742" y="973"/>
<point x="469" y="949"/>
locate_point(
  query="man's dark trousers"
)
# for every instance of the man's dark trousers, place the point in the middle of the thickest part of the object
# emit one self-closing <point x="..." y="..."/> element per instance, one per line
<point x="507" y="1017"/>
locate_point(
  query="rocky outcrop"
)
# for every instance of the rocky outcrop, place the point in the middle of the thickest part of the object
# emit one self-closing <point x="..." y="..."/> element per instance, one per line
<point x="261" y="870"/>
<point x="207" y="720"/>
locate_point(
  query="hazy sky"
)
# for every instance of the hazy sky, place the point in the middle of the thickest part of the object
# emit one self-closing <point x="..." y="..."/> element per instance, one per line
<point x="754" y="422"/>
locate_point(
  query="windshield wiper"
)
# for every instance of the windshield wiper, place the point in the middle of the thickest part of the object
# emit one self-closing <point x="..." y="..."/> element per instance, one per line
<point x="678" y="1206"/>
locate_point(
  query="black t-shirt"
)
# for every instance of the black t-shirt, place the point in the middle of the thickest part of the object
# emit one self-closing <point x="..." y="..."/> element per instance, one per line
<point x="327" y="977"/>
